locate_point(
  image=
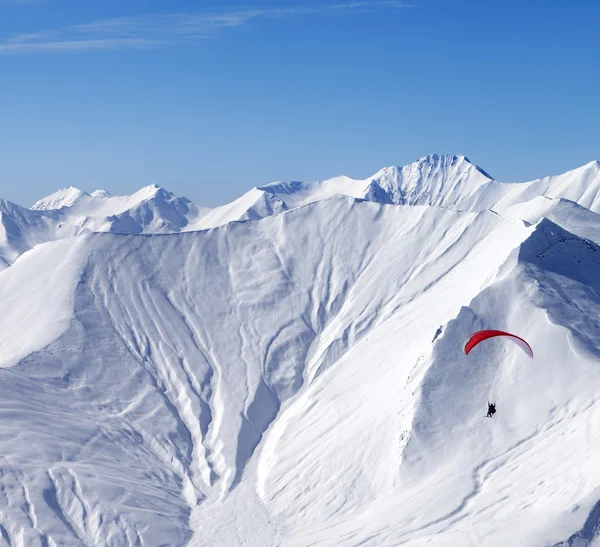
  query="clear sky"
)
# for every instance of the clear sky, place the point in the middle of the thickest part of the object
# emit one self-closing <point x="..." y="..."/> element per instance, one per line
<point x="210" y="98"/>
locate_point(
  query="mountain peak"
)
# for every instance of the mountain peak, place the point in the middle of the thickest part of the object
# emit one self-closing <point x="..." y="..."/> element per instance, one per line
<point x="63" y="198"/>
<point x="442" y="180"/>
<point x="100" y="194"/>
<point x="448" y="159"/>
<point x="151" y="191"/>
<point x="8" y="206"/>
<point x="592" y="166"/>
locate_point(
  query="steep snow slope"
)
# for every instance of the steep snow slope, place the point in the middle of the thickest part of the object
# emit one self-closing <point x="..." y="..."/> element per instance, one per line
<point x="22" y="229"/>
<point x="252" y="205"/>
<point x="181" y="350"/>
<point x="37" y="298"/>
<point x="544" y="438"/>
<point x="297" y="378"/>
<point x="392" y="447"/>
<point x="569" y="215"/>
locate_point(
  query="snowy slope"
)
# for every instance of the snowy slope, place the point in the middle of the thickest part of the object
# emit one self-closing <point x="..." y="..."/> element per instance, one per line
<point x="22" y="229"/>
<point x="294" y="375"/>
<point x="63" y="198"/>
<point x="251" y="206"/>
<point x="207" y="344"/>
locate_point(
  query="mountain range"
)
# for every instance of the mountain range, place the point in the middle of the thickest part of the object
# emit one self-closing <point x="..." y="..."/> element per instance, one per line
<point x="288" y="369"/>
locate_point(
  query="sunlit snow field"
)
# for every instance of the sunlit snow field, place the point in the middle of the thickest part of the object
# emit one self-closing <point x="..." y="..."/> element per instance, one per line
<point x="288" y="369"/>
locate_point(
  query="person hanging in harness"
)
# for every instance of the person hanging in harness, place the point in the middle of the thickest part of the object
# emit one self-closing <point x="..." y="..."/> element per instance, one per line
<point x="481" y="336"/>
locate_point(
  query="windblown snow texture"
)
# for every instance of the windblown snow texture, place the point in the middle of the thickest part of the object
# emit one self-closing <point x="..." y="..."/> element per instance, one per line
<point x="289" y="369"/>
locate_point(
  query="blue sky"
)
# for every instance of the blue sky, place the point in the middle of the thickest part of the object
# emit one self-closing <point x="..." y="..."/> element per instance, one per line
<point x="211" y="98"/>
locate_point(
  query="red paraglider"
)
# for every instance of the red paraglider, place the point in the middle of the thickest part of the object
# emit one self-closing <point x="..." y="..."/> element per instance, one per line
<point x="478" y="337"/>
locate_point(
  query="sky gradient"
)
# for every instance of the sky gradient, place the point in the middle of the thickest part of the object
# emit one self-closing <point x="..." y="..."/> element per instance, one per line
<point x="211" y="98"/>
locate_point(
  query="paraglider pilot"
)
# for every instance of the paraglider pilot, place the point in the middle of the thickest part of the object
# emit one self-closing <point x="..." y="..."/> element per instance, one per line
<point x="491" y="410"/>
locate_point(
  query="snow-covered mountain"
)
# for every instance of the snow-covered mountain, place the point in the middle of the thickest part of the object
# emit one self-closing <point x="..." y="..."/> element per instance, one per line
<point x="22" y="229"/>
<point x="452" y="182"/>
<point x="150" y="210"/>
<point x="71" y="211"/>
<point x="298" y="378"/>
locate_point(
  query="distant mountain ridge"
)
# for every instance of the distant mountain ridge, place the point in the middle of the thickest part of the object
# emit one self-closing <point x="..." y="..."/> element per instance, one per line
<point x="452" y="182"/>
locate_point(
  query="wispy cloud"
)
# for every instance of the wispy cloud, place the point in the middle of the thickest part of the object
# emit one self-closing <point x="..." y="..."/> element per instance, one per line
<point x="154" y="30"/>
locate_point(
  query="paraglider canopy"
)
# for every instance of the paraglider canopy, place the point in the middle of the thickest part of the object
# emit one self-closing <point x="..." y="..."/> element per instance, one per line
<point x="478" y="337"/>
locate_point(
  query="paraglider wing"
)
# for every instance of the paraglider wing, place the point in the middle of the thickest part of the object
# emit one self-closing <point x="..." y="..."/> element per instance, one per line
<point x="478" y="337"/>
